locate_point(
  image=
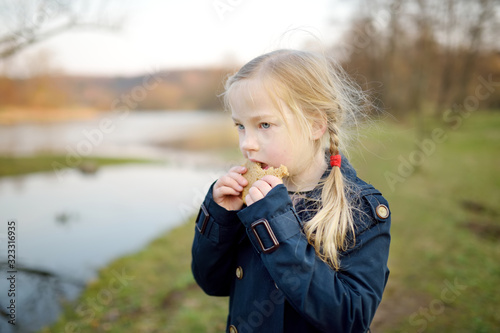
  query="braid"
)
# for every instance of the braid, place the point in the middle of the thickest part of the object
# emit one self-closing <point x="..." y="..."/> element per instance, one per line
<point x="328" y="230"/>
<point x="334" y="139"/>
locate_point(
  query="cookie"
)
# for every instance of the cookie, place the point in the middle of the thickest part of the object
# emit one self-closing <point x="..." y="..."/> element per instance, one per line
<point x="255" y="172"/>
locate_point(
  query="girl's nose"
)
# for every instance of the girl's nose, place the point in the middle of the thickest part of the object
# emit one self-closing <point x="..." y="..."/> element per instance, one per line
<point x="249" y="143"/>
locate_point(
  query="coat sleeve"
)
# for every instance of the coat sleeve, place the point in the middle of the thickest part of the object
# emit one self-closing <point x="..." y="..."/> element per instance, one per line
<point x="217" y="232"/>
<point x="332" y="301"/>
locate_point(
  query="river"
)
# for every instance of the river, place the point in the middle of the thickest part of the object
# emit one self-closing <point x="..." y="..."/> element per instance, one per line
<point x="70" y="224"/>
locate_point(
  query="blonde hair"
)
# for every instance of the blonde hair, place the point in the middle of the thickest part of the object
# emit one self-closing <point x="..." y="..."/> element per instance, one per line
<point x="317" y="91"/>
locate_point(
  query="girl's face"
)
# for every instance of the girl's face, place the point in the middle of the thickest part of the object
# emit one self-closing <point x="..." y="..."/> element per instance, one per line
<point x="266" y="135"/>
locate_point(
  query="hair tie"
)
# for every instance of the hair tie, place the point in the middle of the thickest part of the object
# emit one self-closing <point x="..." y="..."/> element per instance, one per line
<point x="335" y="160"/>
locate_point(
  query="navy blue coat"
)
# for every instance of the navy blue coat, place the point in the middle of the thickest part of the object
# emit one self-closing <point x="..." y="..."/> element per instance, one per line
<point x="260" y="257"/>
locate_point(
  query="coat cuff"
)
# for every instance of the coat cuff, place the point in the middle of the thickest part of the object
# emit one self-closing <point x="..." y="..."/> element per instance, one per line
<point x="271" y="220"/>
<point x="215" y="222"/>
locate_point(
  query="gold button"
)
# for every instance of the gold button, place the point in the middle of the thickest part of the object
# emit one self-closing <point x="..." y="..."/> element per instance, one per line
<point x="382" y="211"/>
<point x="232" y="329"/>
<point x="239" y="272"/>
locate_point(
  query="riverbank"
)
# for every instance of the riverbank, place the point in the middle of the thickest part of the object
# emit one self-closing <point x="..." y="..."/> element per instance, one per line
<point x="150" y="291"/>
<point x="20" y="165"/>
<point x="443" y="192"/>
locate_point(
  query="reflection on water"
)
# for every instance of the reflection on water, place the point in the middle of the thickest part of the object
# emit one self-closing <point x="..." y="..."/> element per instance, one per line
<point x="67" y="229"/>
<point x="38" y="298"/>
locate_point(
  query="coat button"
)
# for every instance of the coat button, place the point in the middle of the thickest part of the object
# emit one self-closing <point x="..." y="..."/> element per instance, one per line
<point x="233" y="329"/>
<point x="382" y="211"/>
<point x="239" y="272"/>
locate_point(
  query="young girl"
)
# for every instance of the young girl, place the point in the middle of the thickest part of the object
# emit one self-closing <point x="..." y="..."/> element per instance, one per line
<point x="309" y="253"/>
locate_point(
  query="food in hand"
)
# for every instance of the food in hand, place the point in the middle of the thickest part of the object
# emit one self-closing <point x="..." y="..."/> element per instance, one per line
<point x="255" y="172"/>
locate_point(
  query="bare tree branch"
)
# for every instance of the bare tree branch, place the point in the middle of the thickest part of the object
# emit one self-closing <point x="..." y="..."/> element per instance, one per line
<point x="27" y="22"/>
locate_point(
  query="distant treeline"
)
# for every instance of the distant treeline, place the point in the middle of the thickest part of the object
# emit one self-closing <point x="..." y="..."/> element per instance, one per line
<point x="416" y="57"/>
<point x="163" y="90"/>
<point x="400" y="83"/>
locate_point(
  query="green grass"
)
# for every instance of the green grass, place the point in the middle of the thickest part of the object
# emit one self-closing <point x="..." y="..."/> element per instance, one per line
<point x="431" y="241"/>
<point x="19" y="165"/>
<point x="445" y="231"/>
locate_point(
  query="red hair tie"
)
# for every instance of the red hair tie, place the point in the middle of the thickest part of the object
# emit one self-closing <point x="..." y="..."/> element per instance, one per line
<point x="335" y="160"/>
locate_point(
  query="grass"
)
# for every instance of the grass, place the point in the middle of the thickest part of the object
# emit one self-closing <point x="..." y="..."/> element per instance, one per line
<point x="19" y="165"/>
<point x="444" y="251"/>
<point x="456" y="183"/>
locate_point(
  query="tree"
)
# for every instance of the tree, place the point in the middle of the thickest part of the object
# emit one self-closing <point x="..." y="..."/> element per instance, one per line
<point x="424" y="52"/>
<point x="27" y="22"/>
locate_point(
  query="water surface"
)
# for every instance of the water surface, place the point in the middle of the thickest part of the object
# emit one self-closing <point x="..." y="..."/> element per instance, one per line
<point x="68" y="227"/>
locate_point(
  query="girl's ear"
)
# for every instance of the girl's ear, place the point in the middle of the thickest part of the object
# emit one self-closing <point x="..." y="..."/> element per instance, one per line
<point x="319" y="128"/>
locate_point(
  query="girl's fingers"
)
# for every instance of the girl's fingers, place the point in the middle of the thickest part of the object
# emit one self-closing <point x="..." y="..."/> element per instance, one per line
<point x="261" y="188"/>
<point x="273" y="181"/>
<point x="227" y="189"/>
<point x="224" y="191"/>
<point x="239" y="178"/>
<point x="249" y="200"/>
<point x="238" y="169"/>
<point x="230" y="181"/>
<point x="258" y="191"/>
<point x="254" y="195"/>
<point x="236" y="173"/>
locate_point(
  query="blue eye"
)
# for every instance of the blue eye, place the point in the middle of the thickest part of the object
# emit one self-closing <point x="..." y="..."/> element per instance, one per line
<point x="265" y="125"/>
<point x="240" y="126"/>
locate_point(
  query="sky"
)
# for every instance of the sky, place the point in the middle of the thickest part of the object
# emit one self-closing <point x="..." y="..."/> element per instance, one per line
<point x="168" y="34"/>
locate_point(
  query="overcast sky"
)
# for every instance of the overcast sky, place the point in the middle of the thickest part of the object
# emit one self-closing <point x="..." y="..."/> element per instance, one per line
<point x="165" y="34"/>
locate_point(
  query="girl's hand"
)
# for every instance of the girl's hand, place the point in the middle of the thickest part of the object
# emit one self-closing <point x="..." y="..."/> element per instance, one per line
<point x="261" y="188"/>
<point x="227" y="190"/>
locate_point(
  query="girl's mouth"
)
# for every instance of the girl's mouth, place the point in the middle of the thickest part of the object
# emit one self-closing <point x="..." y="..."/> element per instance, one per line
<point x="264" y="166"/>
